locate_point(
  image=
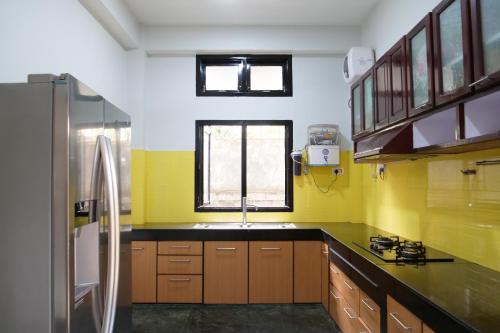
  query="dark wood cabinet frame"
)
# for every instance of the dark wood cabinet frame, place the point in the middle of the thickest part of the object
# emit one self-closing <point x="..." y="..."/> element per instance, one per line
<point x="398" y="100"/>
<point x="441" y="97"/>
<point x="361" y="84"/>
<point x="426" y="24"/>
<point x="382" y="93"/>
<point x="481" y="79"/>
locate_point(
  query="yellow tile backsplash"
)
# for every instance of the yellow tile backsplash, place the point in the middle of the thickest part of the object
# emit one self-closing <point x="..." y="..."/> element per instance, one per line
<point x="432" y="201"/>
<point x="428" y="199"/>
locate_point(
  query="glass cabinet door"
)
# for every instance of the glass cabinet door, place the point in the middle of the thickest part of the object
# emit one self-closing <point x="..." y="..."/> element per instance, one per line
<point x="356" y="110"/>
<point x="368" y="103"/>
<point x="451" y="50"/>
<point x="486" y="39"/>
<point x="420" y="67"/>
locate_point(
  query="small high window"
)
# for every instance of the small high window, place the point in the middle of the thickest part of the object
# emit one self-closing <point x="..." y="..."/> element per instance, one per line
<point x="244" y="75"/>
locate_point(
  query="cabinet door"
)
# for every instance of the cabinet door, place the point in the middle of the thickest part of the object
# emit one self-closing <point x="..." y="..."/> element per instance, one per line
<point x="307" y="271"/>
<point x="367" y="107"/>
<point x="144" y="272"/>
<point x="452" y="51"/>
<point x="226" y="273"/>
<point x="325" y="276"/>
<point x="397" y="82"/>
<point x="420" y="68"/>
<point x="271" y="272"/>
<point x="357" y="119"/>
<point x="486" y="42"/>
<point x="382" y="93"/>
<point x="399" y="319"/>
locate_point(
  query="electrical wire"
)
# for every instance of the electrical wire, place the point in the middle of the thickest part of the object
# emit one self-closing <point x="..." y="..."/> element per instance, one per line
<point x="329" y="186"/>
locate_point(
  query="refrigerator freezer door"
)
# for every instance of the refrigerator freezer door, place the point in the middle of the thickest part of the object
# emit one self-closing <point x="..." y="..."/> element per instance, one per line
<point x="25" y="203"/>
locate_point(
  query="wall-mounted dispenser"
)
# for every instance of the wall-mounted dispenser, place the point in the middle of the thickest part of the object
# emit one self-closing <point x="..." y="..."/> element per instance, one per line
<point x="323" y="147"/>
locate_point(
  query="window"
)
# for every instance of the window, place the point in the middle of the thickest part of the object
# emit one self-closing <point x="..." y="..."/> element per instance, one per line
<point x="236" y="159"/>
<point x="244" y="75"/>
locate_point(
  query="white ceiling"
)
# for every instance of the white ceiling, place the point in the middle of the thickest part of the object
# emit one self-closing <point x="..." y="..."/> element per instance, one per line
<point x="251" y="12"/>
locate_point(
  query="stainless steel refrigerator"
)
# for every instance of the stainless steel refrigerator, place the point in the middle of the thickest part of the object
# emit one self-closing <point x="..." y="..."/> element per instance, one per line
<point x="65" y="209"/>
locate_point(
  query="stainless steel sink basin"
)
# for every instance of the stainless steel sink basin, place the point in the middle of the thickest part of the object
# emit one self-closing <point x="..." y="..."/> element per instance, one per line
<point x="239" y="225"/>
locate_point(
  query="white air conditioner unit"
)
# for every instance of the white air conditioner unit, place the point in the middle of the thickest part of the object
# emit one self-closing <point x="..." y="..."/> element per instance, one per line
<point x="357" y="62"/>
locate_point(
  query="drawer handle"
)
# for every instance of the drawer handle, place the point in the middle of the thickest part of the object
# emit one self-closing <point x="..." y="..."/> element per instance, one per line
<point x="334" y="296"/>
<point x="324" y="252"/>
<point x="225" y="249"/>
<point x="399" y="322"/>
<point x="180" y="260"/>
<point x="137" y="249"/>
<point x="79" y="303"/>
<point x="270" y="248"/>
<point x="346" y="310"/>
<point x="334" y="270"/>
<point x="367" y="305"/>
<point x="180" y="280"/>
<point x="347" y="284"/>
<point x="180" y="246"/>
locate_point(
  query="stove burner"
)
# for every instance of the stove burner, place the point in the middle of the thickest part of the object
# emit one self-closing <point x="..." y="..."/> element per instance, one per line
<point x="410" y="250"/>
<point x="381" y="243"/>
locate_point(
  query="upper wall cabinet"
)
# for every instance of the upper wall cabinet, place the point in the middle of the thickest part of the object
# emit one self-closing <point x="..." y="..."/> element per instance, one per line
<point x="420" y="67"/>
<point x="381" y="93"/>
<point x="452" y="50"/>
<point x="485" y="18"/>
<point x="362" y="105"/>
<point x="396" y="58"/>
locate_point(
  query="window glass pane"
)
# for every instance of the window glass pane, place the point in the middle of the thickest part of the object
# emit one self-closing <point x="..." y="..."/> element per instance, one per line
<point x="490" y="25"/>
<point x="221" y="77"/>
<point x="368" y="107"/>
<point x="266" y="78"/>
<point x="452" y="58"/>
<point x="222" y="166"/>
<point x="420" y="69"/>
<point x="266" y="166"/>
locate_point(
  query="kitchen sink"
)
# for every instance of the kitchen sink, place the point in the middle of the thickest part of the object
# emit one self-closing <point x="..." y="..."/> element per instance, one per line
<point x="239" y="225"/>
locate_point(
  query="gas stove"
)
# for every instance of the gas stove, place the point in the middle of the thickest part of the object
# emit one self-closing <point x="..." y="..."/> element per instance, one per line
<point x="393" y="250"/>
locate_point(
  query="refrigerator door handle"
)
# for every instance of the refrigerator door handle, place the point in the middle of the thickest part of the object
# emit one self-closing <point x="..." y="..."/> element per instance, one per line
<point x="104" y="171"/>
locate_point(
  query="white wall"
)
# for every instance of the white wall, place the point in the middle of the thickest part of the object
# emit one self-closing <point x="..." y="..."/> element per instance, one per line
<point x="320" y="96"/>
<point x="182" y="40"/>
<point x="391" y="20"/>
<point x="61" y="36"/>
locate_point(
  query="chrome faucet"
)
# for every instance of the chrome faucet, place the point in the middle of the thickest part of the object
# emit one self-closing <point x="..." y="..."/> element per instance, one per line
<point x="244" y="209"/>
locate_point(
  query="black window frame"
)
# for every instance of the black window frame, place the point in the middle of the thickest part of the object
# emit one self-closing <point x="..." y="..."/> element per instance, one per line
<point x="198" y="200"/>
<point x="204" y="60"/>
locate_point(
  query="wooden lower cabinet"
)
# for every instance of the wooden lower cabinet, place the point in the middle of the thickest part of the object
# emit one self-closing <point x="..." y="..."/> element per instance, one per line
<point x="270" y="272"/>
<point x="180" y="265"/>
<point x="179" y="288"/>
<point x="186" y="248"/>
<point x="144" y="271"/>
<point x="400" y="319"/>
<point x="369" y="313"/>
<point x="307" y="271"/>
<point x="226" y="272"/>
<point x="343" y="314"/>
<point x="325" y="280"/>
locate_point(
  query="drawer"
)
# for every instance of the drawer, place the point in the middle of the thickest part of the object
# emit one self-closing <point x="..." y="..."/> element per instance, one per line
<point x="335" y="275"/>
<point x="344" y="314"/>
<point x="350" y="292"/>
<point x="369" y="312"/>
<point x="180" y="248"/>
<point x="179" y="288"/>
<point x="400" y="319"/>
<point x="180" y="265"/>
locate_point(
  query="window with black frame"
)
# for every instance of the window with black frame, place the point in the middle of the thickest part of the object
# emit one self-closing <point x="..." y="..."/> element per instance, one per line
<point x="244" y="75"/>
<point x="237" y="159"/>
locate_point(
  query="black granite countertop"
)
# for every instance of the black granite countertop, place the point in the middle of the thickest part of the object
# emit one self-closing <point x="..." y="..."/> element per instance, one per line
<point x="467" y="292"/>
